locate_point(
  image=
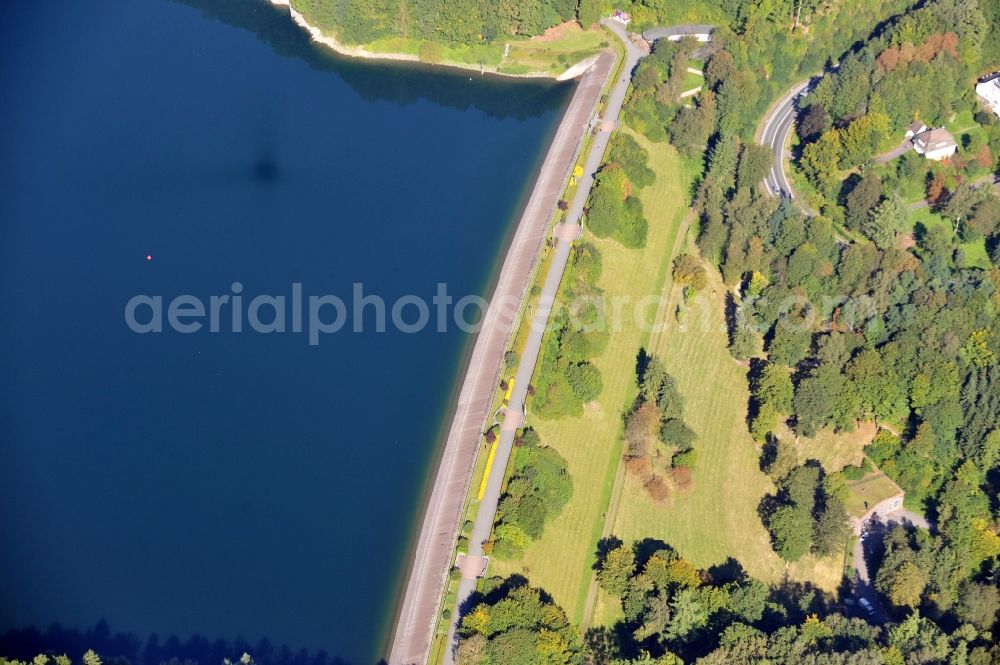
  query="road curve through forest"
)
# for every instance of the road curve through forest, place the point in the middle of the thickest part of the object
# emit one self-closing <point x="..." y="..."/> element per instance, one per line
<point x="774" y="134"/>
<point x="432" y="559"/>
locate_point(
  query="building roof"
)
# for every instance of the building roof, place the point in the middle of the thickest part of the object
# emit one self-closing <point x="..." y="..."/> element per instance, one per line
<point x="989" y="88"/>
<point x="677" y="31"/>
<point x="934" y="139"/>
<point x="916" y="127"/>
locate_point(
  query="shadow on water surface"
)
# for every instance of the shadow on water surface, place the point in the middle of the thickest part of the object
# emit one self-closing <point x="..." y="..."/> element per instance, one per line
<point x="126" y="648"/>
<point x="397" y="82"/>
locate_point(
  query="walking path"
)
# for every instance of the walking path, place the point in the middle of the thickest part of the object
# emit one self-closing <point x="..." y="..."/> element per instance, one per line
<point x="901" y="149"/>
<point x="428" y="575"/>
<point x="488" y="506"/>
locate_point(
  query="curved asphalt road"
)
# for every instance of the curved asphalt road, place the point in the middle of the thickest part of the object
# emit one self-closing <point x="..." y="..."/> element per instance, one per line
<point x="775" y="133"/>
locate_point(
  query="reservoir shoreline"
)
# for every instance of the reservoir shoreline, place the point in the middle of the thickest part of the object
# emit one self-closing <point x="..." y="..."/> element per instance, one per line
<point x="320" y="37"/>
<point x="387" y="625"/>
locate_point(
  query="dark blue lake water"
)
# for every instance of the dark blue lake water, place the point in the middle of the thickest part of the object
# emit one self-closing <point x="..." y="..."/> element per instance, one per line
<point x="229" y="484"/>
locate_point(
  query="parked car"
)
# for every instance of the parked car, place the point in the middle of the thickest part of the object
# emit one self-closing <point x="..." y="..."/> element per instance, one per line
<point x="866" y="606"/>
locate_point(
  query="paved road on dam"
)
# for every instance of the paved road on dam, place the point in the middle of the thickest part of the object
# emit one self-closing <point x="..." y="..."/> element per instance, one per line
<point x="417" y="620"/>
<point x="565" y="234"/>
<point x="432" y="560"/>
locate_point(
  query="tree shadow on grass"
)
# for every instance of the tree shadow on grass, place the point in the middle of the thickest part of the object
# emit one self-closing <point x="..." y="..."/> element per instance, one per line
<point x="644" y="549"/>
<point x="800" y="599"/>
<point x="604" y="547"/>
<point x="729" y="570"/>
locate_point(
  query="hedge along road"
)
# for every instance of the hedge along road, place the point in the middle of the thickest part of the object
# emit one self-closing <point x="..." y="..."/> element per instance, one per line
<point x="432" y="560"/>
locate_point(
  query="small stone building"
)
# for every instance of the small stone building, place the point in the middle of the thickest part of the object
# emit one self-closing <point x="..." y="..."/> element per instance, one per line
<point x="880" y="511"/>
<point x="914" y="128"/>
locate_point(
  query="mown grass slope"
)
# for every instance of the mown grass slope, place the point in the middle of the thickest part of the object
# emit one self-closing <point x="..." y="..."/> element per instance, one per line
<point x="716" y="518"/>
<point x="560" y="561"/>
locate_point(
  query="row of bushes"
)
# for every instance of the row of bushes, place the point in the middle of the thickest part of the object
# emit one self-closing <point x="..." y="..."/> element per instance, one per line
<point x="658" y="443"/>
<point x="566" y="379"/>
<point x="538" y="488"/>
<point x="614" y="209"/>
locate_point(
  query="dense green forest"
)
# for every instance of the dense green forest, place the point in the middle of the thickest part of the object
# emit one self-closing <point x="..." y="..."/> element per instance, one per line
<point x="461" y="22"/>
<point x="922" y="66"/>
<point x="674" y="613"/>
<point x="514" y="623"/>
<point x="902" y="331"/>
<point x="772" y="41"/>
<point x="759" y="49"/>
<point x="894" y="322"/>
